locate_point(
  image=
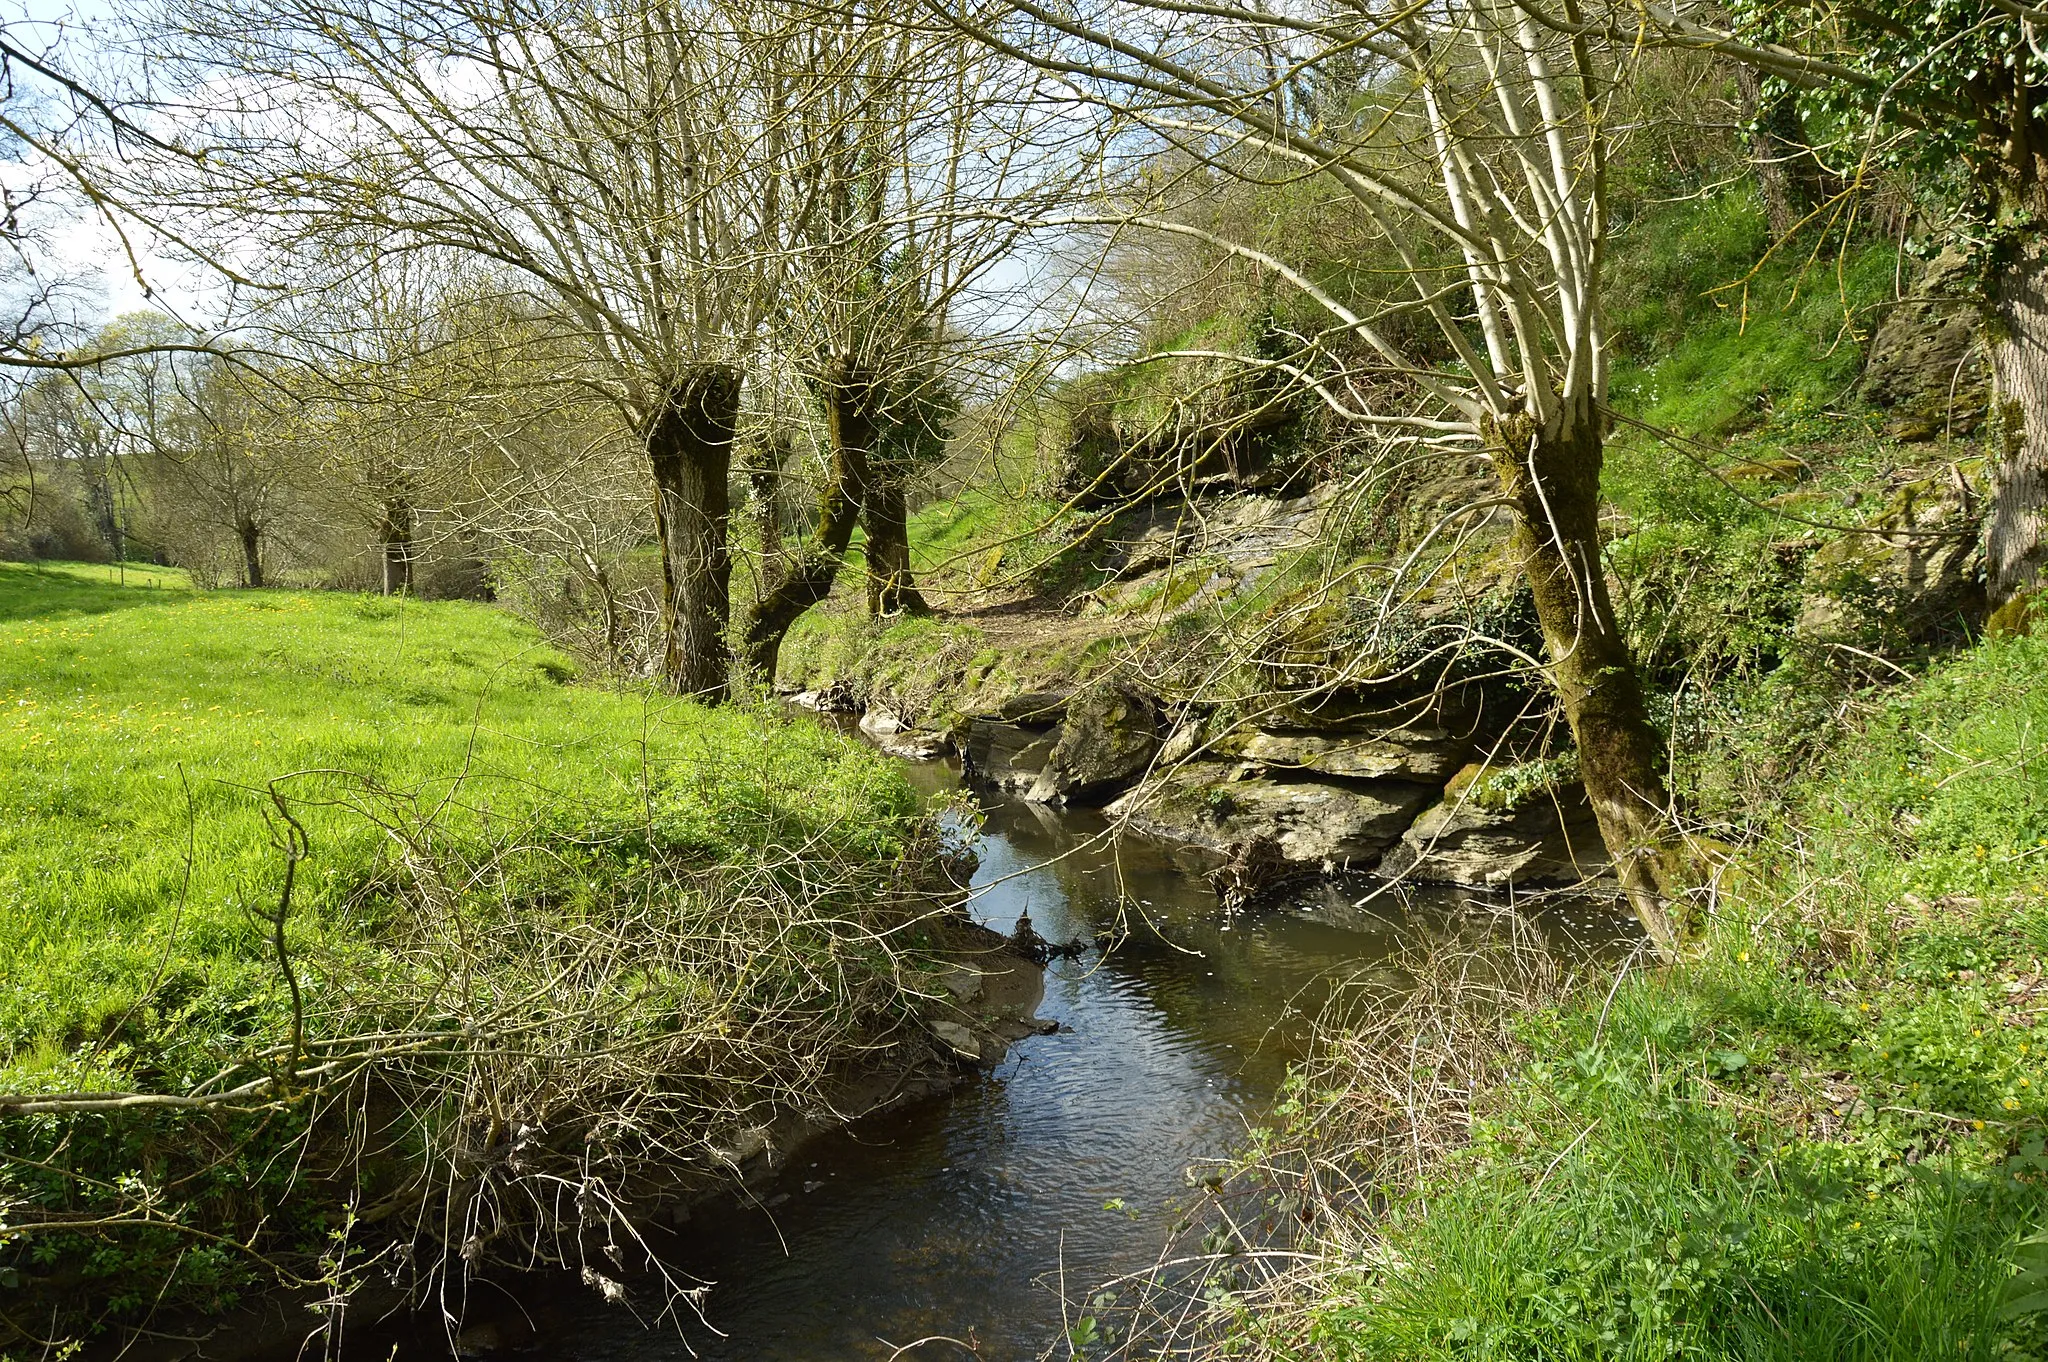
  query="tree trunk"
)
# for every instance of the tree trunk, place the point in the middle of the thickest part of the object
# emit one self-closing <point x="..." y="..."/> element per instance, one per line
<point x="765" y="480"/>
<point x="1555" y="486"/>
<point x="850" y="397"/>
<point x="2015" y="548"/>
<point x="689" y="449"/>
<point x="252" y="551"/>
<point x="1792" y="180"/>
<point x="394" y="535"/>
<point x="891" y="588"/>
<point x="100" y="499"/>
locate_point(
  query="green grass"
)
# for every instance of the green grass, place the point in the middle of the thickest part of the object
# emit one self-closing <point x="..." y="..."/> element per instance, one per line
<point x="1824" y="1136"/>
<point x="603" y="894"/>
<point x="983" y="538"/>
<point x="142" y="728"/>
<point x="1715" y="336"/>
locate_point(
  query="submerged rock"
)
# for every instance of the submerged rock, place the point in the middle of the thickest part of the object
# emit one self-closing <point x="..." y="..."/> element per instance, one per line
<point x="741" y="1145"/>
<point x="1256" y="870"/>
<point x="889" y="732"/>
<point x="958" y="1038"/>
<point x="961" y="981"/>
<point x="832" y="699"/>
<point x="915" y="745"/>
<point x="881" y="723"/>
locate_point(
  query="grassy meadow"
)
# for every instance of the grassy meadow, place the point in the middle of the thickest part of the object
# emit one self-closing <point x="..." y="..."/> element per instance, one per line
<point x="146" y="725"/>
<point x="519" y="894"/>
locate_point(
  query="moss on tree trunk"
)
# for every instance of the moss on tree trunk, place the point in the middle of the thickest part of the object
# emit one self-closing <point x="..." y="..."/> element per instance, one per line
<point x="395" y="531"/>
<point x="2016" y="289"/>
<point x="892" y="589"/>
<point x="688" y="439"/>
<point x="850" y="396"/>
<point x="252" y="551"/>
<point x="1554" y="484"/>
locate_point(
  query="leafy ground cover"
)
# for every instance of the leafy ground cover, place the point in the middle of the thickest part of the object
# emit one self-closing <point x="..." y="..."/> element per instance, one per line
<point x="142" y="727"/>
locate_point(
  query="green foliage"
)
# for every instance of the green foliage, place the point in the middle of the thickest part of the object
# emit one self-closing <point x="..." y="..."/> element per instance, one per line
<point x="1716" y="336"/>
<point x="1825" y="1135"/>
<point x="1509" y="787"/>
<point x="1673" y="264"/>
<point x="145" y="728"/>
<point x="1948" y="791"/>
<point x="988" y="538"/>
<point x="1957" y="75"/>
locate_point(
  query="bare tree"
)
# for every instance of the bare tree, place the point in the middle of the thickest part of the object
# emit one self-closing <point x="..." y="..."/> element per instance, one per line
<point x="619" y="163"/>
<point x="219" y="451"/>
<point x="1474" y="125"/>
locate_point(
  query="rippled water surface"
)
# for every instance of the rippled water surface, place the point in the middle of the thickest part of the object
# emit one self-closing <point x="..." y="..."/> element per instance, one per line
<point x="967" y="1215"/>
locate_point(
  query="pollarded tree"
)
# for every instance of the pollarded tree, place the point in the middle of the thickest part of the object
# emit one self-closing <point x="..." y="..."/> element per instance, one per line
<point x="920" y="148"/>
<point x="220" y="455"/>
<point x="375" y="349"/>
<point x="618" y="161"/>
<point x="911" y="441"/>
<point x="1472" y="125"/>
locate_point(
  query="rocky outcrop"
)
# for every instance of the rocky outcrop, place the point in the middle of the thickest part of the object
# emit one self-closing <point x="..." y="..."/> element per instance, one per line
<point x="1040" y="707"/>
<point x="1173" y="556"/>
<point x="1407" y="753"/>
<point x="1544" y="838"/>
<point x="1258" y="809"/>
<point x="1107" y="740"/>
<point x="1056" y="748"/>
<point x="1926" y="366"/>
<point x="1335" y="827"/>
<point x="1914" y="575"/>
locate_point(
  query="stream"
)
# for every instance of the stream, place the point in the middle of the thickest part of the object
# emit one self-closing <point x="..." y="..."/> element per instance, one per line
<point x="969" y="1215"/>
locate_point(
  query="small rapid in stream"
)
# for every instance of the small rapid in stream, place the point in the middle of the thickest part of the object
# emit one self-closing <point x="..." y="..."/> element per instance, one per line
<point x="970" y="1215"/>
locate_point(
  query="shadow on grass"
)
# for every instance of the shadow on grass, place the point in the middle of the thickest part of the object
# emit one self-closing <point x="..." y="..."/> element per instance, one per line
<point x="44" y="591"/>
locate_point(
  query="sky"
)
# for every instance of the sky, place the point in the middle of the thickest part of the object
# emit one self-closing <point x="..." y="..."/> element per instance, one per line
<point x="85" y="246"/>
<point x="81" y="242"/>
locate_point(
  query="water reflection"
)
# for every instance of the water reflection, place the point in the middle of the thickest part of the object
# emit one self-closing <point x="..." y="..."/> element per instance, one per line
<point x="966" y="1216"/>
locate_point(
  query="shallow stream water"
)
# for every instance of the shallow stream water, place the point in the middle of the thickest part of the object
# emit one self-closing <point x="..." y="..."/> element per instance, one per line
<point x="979" y="1214"/>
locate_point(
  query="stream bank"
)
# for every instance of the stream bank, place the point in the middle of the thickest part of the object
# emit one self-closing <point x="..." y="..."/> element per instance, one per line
<point x="1448" y="788"/>
<point x="980" y="997"/>
<point x="983" y="1213"/>
<point x="1316" y="673"/>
